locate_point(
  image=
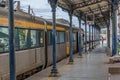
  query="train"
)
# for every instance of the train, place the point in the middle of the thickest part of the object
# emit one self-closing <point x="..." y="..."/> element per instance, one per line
<point x="33" y="43"/>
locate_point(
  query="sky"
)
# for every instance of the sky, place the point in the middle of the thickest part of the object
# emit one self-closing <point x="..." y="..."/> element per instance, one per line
<point x="42" y="9"/>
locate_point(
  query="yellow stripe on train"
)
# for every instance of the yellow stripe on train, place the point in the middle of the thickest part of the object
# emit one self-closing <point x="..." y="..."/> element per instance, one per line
<point x="4" y="21"/>
<point x="24" y="24"/>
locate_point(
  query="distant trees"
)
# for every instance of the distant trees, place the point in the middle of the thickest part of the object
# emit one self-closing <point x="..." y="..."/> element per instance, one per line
<point x="103" y="32"/>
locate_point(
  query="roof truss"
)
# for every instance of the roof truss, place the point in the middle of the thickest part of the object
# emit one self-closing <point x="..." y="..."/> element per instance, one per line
<point x="89" y="8"/>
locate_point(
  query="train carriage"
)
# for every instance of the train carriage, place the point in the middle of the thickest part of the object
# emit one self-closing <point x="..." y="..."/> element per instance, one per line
<point x="33" y="43"/>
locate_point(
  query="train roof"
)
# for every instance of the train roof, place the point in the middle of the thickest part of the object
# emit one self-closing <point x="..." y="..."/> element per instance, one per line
<point x="20" y="15"/>
<point x="61" y="24"/>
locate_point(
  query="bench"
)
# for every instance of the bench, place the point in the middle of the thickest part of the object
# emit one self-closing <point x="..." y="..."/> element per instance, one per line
<point x="114" y="68"/>
<point x="114" y="59"/>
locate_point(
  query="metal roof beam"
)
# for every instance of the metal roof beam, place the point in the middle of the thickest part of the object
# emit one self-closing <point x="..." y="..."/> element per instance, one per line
<point x="100" y="21"/>
<point x="86" y="3"/>
<point x="68" y="3"/>
<point x="93" y="13"/>
<point x="102" y="14"/>
<point x="96" y="9"/>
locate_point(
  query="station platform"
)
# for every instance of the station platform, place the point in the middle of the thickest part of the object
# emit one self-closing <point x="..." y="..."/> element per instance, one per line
<point x="92" y="66"/>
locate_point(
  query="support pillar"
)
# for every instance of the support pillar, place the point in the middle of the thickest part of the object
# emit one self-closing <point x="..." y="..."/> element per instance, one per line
<point x="11" y="41"/>
<point x="108" y="37"/>
<point x="115" y="25"/>
<point x="85" y="33"/>
<point x="54" y="70"/>
<point x="71" y="38"/>
<point x="92" y="37"/>
<point x="99" y="35"/>
<point x="95" y="36"/>
<point x="112" y="36"/>
<point x="89" y="36"/>
<point x="80" y="37"/>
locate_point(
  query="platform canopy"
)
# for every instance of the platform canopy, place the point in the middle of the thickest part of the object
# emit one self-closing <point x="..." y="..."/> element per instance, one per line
<point x="99" y="10"/>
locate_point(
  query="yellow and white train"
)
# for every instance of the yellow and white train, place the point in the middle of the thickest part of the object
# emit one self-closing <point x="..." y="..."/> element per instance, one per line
<point x="33" y="43"/>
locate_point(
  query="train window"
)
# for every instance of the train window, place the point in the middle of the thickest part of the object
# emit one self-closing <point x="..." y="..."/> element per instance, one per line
<point x="57" y="37"/>
<point x="23" y="36"/>
<point x="33" y="38"/>
<point x="49" y="37"/>
<point x="37" y="38"/>
<point x="74" y="36"/>
<point x="4" y="46"/>
<point x="41" y="38"/>
<point x="62" y="37"/>
<point x="17" y="44"/>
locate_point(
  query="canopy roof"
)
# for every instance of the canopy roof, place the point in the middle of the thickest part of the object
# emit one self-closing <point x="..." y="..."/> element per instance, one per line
<point x="100" y="9"/>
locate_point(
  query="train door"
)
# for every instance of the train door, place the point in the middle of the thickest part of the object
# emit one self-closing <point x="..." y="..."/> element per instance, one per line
<point x="46" y="55"/>
<point x="67" y="43"/>
<point x="77" y="42"/>
<point x="45" y="45"/>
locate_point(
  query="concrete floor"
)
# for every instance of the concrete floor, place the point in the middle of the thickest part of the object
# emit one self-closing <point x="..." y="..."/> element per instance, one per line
<point x="91" y="67"/>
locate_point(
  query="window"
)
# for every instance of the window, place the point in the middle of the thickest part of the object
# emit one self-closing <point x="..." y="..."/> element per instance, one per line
<point x="57" y="37"/>
<point x="4" y="39"/>
<point x="62" y="37"/>
<point x="41" y="38"/>
<point x="37" y="38"/>
<point x="17" y="44"/>
<point x="24" y="39"/>
<point x="23" y="36"/>
<point x="74" y="36"/>
<point x="33" y="38"/>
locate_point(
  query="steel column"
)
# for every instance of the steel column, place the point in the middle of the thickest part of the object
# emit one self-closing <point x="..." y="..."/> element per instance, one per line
<point x="80" y="37"/>
<point x="71" y="36"/>
<point x="89" y="37"/>
<point x="85" y="33"/>
<point x="115" y="50"/>
<point x="95" y="36"/>
<point x="53" y="6"/>
<point x="112" y="35"/>
<point x="98" y="36"/>
<point x="99" y="33"/>
<point x="92" y="37"/>
<point x="11" y="41"/>
<point x="108" y="37"/>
